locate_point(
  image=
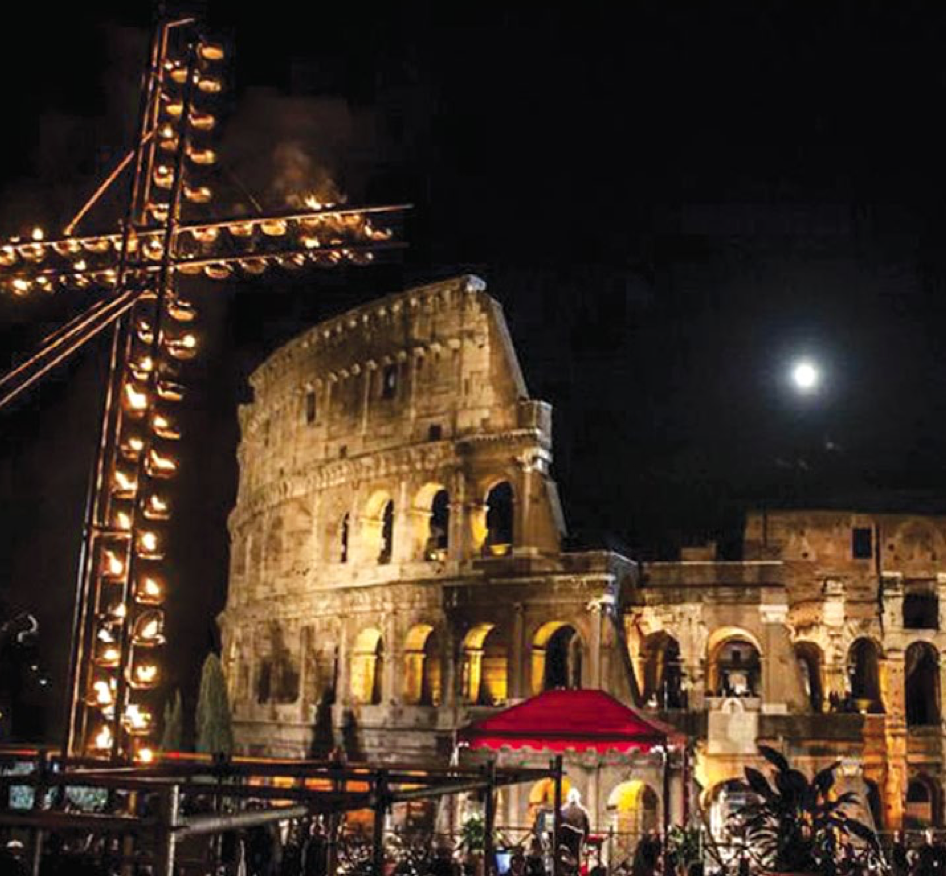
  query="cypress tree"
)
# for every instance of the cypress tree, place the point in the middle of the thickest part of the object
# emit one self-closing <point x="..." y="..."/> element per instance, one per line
<point x="214" y="732"/>
<point x="172" y="735"/>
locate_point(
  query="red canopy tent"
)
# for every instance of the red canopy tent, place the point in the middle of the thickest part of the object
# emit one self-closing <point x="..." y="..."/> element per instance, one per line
<point x="570" y="720"/>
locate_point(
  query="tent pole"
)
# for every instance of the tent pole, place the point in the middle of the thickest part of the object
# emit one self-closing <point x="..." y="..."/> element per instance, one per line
<point x="557" y="816"/>
<point x="666" y="813"/>
<point x="489" y="853"/>
<point x="380" y="804"/>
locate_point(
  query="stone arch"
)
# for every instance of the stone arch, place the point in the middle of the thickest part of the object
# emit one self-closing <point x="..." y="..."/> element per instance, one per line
<point x="557" y="653"/>
<point x="422" y="675"/>
<point x="484" y="667"/>
<point x="274" y="549"/>
<point x="917" y="542"/>
<point x="922" y="686"/>
<point x="810" y="660"/>
<point x="662" y="671"/>
<point x="725" y="799"/>
<point x="874" y="803"/>
<point x="924" y="803"/>
<point x="633" y="810"/>
<point x="863" y="669"/>
<point x="542" y="802"/>
<point x="430" y="522"/>
<point x="367" y="667"/>
<point x="734" y="658"/>
<point x="921" y="605"/>
<point x="500" y="519"/>
<point x="377" y="528"/>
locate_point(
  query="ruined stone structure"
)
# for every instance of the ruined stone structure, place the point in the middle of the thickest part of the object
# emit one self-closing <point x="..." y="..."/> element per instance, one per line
<point x="396" y="571"/>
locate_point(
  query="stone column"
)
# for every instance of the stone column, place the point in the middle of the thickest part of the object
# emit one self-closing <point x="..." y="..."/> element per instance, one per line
<point x="835" y="656"/>
<point x="518" y="687"/>
<point x="458" y="539"/>
<point x="365" y="395"/>
<point x="393" y="659"/>
<point x="775" y="686"/>
<point x="402" y="549"/>
<point x="895" y="733"/>
<point x="522" y="536"/>
<point x="448" y="657"/>
<point x="592" y="669"/>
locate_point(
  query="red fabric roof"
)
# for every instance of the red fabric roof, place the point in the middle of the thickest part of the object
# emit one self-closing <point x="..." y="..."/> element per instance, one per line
<point x="560" y="720"/>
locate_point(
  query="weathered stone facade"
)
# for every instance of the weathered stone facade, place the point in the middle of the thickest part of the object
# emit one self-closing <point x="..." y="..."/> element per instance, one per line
<point x="396" y="571"/>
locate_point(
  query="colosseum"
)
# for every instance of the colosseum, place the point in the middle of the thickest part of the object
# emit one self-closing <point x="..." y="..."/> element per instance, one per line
<point x="397" y="571"/>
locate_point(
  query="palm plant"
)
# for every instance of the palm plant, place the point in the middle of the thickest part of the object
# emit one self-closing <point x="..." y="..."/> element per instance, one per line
<point x="794" y="825"/>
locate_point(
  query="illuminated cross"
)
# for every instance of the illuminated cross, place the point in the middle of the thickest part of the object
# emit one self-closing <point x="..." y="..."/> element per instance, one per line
<point x="119" y="619"/>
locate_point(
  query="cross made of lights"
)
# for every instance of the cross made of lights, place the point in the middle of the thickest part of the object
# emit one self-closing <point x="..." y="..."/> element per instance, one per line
<point x="120" y="589"/>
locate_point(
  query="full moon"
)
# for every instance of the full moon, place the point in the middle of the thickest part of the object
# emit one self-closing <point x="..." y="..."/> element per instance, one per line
<point x="805" y="376"/>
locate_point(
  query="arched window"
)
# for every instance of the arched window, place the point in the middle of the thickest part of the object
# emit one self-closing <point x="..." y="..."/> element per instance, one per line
<point x="484" y="666"/>
<point x="808" y="657"/>
<point x="422" y="667"/>
<point x="499" y="520"/>
<point x="438" y="537"/>
<point x="922" y="685"/>
<point x="737" y="669"/>
<point x="264" y="682"/>
<point x="920" y="606"/>
<point x="387" y="533"/>
<point x="367" y="667"/>
<point x="923" y="803"/>
<point x="863" y="666"/>
<point x="343" y="532"/>
<point x="633" y="810"/>
<point x="663" y="672"/>
<point x="556" y="657"/>
<point x="874" y="804"/>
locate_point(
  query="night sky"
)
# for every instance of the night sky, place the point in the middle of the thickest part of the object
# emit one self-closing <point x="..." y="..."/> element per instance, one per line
<point x="671" y="202"/>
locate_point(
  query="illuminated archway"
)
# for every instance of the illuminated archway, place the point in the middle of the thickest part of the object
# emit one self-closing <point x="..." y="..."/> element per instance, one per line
<point x="542" y="803"/>
<point x="809" y="658"/>
<point x="422" y="667"/>
<point x="556" y="657"/>
<point x="484" y="666"/>
<point x="662" y="671"/>
<point x="367" y="667"/>
<point x="735" y="663"/>
<point x="863" y="666"/>
<point x="500" y="520"/>
<point x="430" y="522"/>
<point x="377" y="529"/>
<point x="922" y="688"/>
<point x="633" y="810"/>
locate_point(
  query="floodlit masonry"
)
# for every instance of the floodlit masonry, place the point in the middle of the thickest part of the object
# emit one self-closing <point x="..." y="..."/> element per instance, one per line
<point x="396" y="572"/>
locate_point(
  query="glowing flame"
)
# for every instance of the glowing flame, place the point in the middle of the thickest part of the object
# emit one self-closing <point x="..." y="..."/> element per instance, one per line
<point x="111" y="656"/>
<point x="37" y="234"/>
<point x="145" y="755"/>
<point x="150" y="630"/>
<point x="160" y="465"/>
<point x="149" y="590"/>
<point x="314" y="203"/>
<point x="113" y="564"/>
<point x="137" y="718"/>
<point x="103" y="739"/>
<point x="146" y="673"/>
<point x="149" y="542"/>
<point x="124" y="482"/>
<point x="136" y="399"/>
<point x="103" y="696"/>
<point x="123" y="520"/>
